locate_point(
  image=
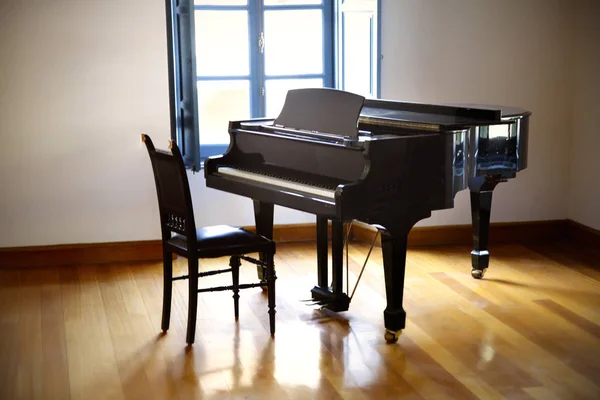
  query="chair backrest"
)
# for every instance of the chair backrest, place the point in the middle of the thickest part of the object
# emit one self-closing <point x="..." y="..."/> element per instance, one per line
<point x="173" y="191"/>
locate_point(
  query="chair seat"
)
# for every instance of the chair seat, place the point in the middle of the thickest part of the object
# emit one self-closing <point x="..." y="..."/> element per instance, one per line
<point x="223" y="238"/>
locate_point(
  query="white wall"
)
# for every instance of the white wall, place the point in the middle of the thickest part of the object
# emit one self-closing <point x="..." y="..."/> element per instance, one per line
<point x="508" y="52"/>
<point x="80" y="80"/>
<point x="584" y="199"/>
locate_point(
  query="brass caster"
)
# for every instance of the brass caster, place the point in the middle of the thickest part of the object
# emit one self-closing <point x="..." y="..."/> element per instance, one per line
<point x="264" y="286"/>
<point x="392" y="336"/>
<point x="477" y="273"/>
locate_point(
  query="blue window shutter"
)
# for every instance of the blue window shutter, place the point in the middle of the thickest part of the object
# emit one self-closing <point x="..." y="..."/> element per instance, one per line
<point x="378" y="56"/>
<point x="182" y="80"/>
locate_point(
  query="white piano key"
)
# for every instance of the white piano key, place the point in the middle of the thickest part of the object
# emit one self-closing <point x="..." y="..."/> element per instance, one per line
<point x="278" y="182"/>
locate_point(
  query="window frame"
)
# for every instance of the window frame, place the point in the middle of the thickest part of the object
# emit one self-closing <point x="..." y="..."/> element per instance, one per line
<point x="183" y="97"/>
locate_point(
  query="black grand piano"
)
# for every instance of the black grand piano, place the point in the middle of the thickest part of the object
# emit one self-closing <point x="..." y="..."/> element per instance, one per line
<point x="345" y="158"/>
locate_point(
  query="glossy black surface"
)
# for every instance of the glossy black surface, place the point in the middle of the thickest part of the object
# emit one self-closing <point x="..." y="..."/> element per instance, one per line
<point x="439" y="118"/>
<point x="325" y="106"/>
<point x="408" y="160"/>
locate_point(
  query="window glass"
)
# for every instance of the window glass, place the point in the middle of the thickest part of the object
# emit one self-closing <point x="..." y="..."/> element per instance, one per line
<point x="221" y="2"/>
<point x="291" y="2"/>
<point x="218" y="103"/>
<point x="222" y="43"/>
<point x="293" y="42"/>
<point x="357" y="52"/>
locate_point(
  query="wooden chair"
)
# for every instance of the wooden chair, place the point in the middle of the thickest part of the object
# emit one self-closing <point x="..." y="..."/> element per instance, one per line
<point x="180" y="236"/>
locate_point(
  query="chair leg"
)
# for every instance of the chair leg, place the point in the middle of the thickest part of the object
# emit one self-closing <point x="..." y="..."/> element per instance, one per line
<point x="167" y="289"/>
<point x="234" y="263"/>
<point x="192" y="299"/>
<point x="271" y="290"/>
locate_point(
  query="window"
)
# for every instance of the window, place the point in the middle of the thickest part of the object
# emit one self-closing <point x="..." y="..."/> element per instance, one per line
<point x="236" y="59"/>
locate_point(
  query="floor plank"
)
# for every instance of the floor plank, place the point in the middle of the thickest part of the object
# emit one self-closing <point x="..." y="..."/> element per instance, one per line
<point x="529" y="330"/>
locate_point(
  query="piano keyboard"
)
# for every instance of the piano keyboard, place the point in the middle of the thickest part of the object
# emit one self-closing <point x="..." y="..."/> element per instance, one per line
<point x="278" y="182"/>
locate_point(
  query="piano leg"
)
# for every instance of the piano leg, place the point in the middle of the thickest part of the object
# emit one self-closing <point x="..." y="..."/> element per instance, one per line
<point x="337" y="257"/>
<point x="394" y="242"/>
<point x="322" y="252"/>
<point x="263" y="220"/>
<point x="394" y="265"/>
<point x="481" y="206"/>
<point x="333" y="299"/>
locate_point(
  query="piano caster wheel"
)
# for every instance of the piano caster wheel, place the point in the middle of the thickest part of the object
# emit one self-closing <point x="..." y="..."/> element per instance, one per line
<point x="392" y="336"/>
<point x="477" y="273"/>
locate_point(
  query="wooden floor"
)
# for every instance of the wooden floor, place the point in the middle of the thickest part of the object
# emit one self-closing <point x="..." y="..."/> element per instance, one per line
<point x="529" y="330"/>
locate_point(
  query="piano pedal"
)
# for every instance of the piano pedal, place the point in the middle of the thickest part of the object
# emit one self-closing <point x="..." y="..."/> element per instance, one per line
<point x="315" y="302"/>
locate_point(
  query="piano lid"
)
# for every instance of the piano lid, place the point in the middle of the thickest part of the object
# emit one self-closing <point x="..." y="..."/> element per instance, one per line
<point x="429" y="117"/>
<point x="329" y="111"/>
<point x="505" y="111"/>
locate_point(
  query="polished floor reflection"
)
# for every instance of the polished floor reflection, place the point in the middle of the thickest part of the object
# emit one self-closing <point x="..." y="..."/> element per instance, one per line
<point x="530" y="329"/>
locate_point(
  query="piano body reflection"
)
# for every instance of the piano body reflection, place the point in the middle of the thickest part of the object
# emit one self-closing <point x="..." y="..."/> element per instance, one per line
<point x="386" y="163"/>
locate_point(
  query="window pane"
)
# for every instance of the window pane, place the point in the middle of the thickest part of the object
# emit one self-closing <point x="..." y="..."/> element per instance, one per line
<point x="221" y="2"/>
<point x="357" y="52"/>
<point x="359" y="5"/>
<point x="220" y="102"/>
<point x="222" y="43"/>
<point x="291" y="2"/>
<point x="276" y="90"/>
<point x="293" y="42"/>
